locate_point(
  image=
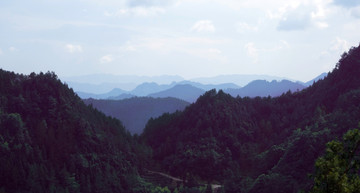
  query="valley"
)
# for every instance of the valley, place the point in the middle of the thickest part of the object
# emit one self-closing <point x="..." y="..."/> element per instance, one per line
<point x="179" y="96"/>
<point x="51" y="140"/>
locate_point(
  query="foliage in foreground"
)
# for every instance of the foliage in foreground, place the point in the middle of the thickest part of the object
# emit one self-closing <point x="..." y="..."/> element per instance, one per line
<point x="338" y="169"/>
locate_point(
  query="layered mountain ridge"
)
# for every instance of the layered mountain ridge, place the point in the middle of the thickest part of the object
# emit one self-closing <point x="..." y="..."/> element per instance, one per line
<point x="190" y="91"/>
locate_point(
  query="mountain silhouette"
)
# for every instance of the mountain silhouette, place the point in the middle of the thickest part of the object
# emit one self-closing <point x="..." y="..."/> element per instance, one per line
<point x="264" y="88"/>
<point x="185" y="92"/>
<point x="147" y="88"/>
<point x="112" y="93"/>
<point x="310" y="82"/>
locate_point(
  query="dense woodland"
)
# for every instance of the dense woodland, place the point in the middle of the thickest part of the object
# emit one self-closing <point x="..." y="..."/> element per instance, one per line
<point x="259" y="144"/>
<point x="50" y="141"/>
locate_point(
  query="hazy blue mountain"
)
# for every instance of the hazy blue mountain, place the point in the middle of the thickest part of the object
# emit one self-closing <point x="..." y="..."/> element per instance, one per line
<point x="113" y="93"/>
<point x="99" y="88"/>
<point x="259" y="88"/>
<point x="238" y="79"/>
<point x="310" y="82"/>
<point x="185" y="92"/>
<point x="121" y="97"/>
<point x="135" y="112"/>
<point x="150" y="88"/>
<point x="264" y="88"/>
<point x="207" y="87"/>
<point x="147" y="88"/>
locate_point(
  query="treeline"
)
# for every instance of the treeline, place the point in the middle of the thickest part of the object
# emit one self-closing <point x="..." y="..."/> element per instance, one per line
<point x="50" y="141"/>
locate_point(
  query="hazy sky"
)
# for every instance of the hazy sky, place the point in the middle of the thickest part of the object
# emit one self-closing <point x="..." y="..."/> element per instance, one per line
<point x="298" y="39"/>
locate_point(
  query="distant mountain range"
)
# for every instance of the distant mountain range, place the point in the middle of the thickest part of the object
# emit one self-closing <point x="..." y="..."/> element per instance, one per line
<point x="147" y="88"/>
<point x="99" y="88"/>
<point x="136" y="111"/>
<point x="238" y="79"/>
<point x="190" y="91"/>
<point x="264" y="88"/>
<point x="185" y="92"/>
<point x="102" y="83"/>
<point x="114" y="92"/>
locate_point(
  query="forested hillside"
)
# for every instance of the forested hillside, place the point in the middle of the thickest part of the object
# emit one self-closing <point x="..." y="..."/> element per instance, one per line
<point x="258" y="144"/>
<point x="50" y="141"/>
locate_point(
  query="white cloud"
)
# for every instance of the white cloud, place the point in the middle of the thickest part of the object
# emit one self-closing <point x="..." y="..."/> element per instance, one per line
<point x="203" y="26"/>
<point x="242" y="27"/>
<point x="252" y="51"/>
<point x="355" y="12"/>
<point x="210" y="54"/>
<point x="282" y="45"/>
<point x="214" y="51"/>
<point x="106" y="59"/>
<point x="319" y="12"/>
<point x="336" y="47"/>
<point x="339" y="45"/>
<point x="296" y="19"/>
<point x="199" y="47"/>
<point x="169" y="44"/>
<point x="136" y="11"/>
<point x="1" y="52"/>
<point x="71" y="48"/>
<point x="147" y="3"/>
<point x="130" y="48"/>
<point x="321" y="25"/>
<point x="13" y="49"/>
<point x="302" y="14"/>
<point x="347" y="3"/>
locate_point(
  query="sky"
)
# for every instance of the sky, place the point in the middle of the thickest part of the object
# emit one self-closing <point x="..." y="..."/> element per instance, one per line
<point x="297" y="39"/>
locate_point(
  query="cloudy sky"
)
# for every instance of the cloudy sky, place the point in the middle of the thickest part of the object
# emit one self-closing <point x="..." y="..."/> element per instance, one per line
<point x="298" y="39"/>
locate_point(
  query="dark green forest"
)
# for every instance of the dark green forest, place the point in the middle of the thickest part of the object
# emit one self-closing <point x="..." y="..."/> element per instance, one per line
<point x="50" y="141"/>
<point x="306" y="141"/>
<point x="259" y="144"/>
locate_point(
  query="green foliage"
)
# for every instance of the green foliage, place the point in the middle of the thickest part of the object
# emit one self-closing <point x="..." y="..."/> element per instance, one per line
<point x="338" y="169"/>
<point x="50" y="141"/>
<point x="255" y="144"/>
<point x="160" y="190"/>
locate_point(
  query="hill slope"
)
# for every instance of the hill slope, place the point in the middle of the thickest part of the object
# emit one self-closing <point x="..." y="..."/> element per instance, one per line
<point x="50" y="141"/>
<point x="260" y="144"/>
<point x="135" y="112"/>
